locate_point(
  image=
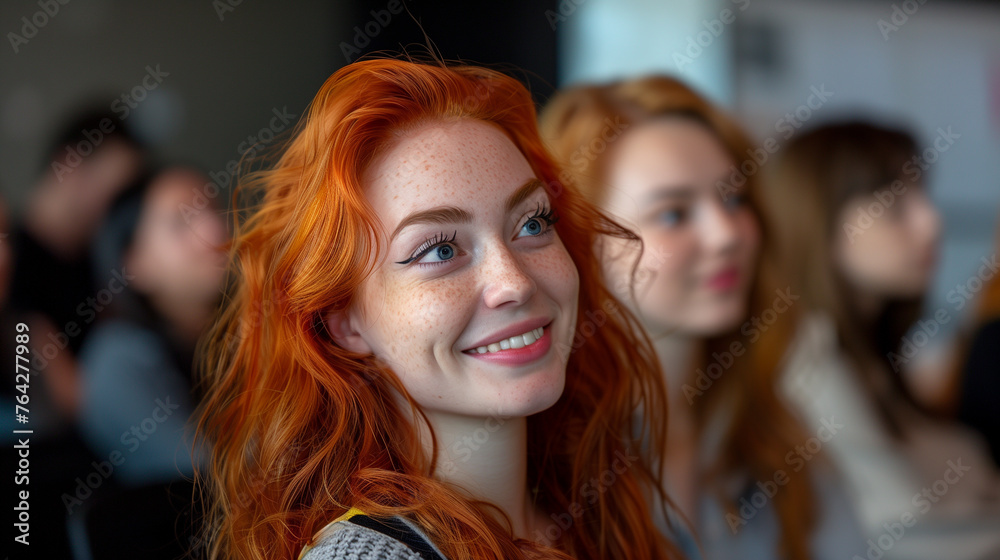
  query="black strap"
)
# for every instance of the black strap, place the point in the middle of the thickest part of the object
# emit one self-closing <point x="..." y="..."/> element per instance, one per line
<point x="395" y="528"/>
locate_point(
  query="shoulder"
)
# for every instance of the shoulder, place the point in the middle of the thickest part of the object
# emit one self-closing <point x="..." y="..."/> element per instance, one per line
<point x="347" y="540"/>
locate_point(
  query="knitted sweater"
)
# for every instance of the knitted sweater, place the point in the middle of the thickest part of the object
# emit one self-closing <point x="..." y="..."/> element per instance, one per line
<point x="343" y="540"/>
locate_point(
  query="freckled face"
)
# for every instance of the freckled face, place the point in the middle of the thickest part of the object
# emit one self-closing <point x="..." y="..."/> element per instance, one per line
<point x="483" y="266"/>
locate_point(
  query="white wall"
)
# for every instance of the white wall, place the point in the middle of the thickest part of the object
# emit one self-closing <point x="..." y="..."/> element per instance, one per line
<point x="603" y="40"/>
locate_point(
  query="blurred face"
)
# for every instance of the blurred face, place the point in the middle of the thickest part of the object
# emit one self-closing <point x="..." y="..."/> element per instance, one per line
<point x="176" y="252"/>
<point x="700" y="241"/>
<point x="89" y="186"/>
<point x="476" y="290"/>
<point x="894" y="256"/>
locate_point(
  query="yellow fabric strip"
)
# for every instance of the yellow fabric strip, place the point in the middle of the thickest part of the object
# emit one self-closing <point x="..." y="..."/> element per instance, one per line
<point x="319" y="534"/>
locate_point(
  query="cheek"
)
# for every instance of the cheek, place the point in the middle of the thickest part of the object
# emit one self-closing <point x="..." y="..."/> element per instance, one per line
<point x="873" y="256"/>
<point x="414" y="316"/>
<point x="668" y="259"/>
<point x="555" y="271"/>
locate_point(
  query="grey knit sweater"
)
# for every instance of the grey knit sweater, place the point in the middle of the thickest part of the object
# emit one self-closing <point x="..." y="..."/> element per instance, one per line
<point x="347" y="541"/>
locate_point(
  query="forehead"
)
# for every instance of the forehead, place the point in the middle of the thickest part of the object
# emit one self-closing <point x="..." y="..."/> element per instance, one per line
<point x="670" y="148"/>
<point x="465" y="163"/>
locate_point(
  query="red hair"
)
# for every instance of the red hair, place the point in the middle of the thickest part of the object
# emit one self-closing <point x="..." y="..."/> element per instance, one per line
<point x="303" y="429"/>
<point x="760" y="428"/>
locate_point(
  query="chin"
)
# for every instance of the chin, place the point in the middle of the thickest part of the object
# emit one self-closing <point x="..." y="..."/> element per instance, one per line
<point x="721" y="320"/>
<point x="534" y="399"/>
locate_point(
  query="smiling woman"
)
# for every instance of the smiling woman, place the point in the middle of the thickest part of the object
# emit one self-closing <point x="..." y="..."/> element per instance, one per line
<point x="400" y="370"/>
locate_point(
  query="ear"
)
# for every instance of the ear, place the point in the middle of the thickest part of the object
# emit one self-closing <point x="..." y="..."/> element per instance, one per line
<point x="342" y="329"/>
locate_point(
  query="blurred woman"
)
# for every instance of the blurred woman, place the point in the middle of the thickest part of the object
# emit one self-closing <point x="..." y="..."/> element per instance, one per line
<point x="665" y="161"/>
<point x="159" y="254"/>
<point x="406" y="367"/>
<point x="858" y="237"/>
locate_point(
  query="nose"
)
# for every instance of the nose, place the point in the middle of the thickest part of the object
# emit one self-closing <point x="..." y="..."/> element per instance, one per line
<point x="507" y="281"/>
<point x="719" y="232"/>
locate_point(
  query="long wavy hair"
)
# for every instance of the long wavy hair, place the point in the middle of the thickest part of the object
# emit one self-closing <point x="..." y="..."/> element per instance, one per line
<point x="810" y="182"/>
<point x="303" y="429"/>
<point x="760" y="429"/>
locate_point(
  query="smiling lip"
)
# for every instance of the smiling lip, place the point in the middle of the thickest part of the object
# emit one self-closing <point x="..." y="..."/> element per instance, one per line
<point x="517" y="328"/>
<point x="725" y="280"/>
<point x="518" y="356"/>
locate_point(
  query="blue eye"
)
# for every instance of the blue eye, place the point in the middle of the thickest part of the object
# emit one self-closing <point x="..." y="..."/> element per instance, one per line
<point x="539" y="223"/>
<point x="532" y="227"/>
<point x="672" y="217"/>
<point x="441" y="253"/>
<point x="439" y="247"/>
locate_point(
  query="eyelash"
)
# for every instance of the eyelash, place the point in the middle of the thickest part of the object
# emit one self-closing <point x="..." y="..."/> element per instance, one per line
<point x="544" y="213"/>
<point x="428" y="245"/>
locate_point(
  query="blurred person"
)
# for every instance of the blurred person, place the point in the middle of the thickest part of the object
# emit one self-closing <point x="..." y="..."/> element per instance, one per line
<point x="660" y="157"/>
<point x="371" y="394"/>
<point x="51" y="291"/>
<point x="858" y="239"/>
<point x="93" y="160"/>
<point x="160" y="252"/>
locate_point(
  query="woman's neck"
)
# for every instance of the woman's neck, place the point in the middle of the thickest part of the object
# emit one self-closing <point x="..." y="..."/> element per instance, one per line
<point x="487" y="457"/>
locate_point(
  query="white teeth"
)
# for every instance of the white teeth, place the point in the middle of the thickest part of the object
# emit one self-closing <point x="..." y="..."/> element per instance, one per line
<point x="519" y="341"/>
<point x="529" y="337"/>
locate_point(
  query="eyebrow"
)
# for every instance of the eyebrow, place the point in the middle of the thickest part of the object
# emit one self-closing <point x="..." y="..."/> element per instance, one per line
<point x="453" y="215"/>
<point x="680" y="193"/>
